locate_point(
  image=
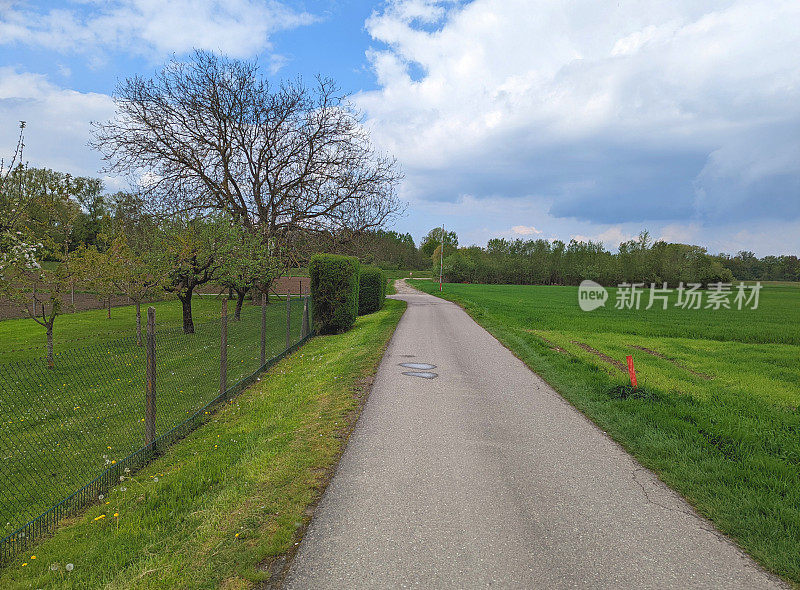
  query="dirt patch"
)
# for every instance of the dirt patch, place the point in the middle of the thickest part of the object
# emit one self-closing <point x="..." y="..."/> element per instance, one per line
<point x="604" y="357"/>
<point x="673" y="361"/>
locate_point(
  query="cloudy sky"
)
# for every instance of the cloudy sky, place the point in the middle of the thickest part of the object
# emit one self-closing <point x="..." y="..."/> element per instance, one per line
<point x="515" y="118"/>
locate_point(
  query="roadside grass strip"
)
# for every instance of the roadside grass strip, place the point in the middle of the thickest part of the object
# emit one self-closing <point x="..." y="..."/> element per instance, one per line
<point x="717" y="415"/>
<point x="219" y="506"/>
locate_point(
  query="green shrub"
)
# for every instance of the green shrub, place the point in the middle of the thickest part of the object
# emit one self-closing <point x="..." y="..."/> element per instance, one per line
<point x="334" y="292"/>
<point x="371" y="290"/>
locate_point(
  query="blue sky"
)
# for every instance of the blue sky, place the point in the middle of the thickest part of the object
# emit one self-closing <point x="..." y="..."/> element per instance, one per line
<point x="513" y="118"/>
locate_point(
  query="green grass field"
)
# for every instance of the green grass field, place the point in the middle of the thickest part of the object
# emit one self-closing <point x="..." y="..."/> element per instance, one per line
<point x="61" y="427"/>
<point x="214" y="510"/>
<point x="717" y="417"/>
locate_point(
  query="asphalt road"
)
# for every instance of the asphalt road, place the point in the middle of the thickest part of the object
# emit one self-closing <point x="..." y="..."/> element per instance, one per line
<point x="484" y="477"/>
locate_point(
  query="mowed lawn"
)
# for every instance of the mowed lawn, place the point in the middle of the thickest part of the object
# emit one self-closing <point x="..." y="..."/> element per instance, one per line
<point x="717" y="417"/>
<point x="22" y="339"/>
<point x="60" y="428"/>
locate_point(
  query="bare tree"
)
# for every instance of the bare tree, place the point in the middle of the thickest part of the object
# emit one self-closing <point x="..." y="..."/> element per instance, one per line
<point x="211" y="133"/>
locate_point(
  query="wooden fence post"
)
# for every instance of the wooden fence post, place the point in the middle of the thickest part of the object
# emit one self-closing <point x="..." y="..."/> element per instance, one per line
<point x="305" y="317"/>
<point x="150" y="394"/>
<point x="288" y="320"/>
<point x="263" y="329"/>
<point x="223" y="350"/>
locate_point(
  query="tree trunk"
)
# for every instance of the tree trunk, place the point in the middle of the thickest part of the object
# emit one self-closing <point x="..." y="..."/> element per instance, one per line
<point x="138" y="323"/>
<point x="50" y="345"/>
<point x="186" y="302"/>
<point x="240" y="295"/>
<point x="109" y="307"/>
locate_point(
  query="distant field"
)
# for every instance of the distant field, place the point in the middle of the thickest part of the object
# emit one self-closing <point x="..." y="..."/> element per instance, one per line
<point x="717" y="417"/>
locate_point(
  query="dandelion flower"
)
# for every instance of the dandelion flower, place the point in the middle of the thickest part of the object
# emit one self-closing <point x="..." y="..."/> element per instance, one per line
<point x="116" y="514"/>
<point x="33" y="557"/>
<point x="69" y="567"/>
<point x="24" y="564"/>
<point x="100" y="517"/>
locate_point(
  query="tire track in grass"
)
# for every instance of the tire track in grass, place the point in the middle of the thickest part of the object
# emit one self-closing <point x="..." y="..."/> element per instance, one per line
<point x="673" y="361"/>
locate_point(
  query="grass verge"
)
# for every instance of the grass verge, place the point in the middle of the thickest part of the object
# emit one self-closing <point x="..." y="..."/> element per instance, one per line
<point x="219" y="506"/>
<point x="718" y="417"/>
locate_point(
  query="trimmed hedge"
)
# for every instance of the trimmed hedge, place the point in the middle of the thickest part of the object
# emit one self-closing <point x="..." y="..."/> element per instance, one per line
<point x="371" y="290"/>
<point x="334" y="292"/>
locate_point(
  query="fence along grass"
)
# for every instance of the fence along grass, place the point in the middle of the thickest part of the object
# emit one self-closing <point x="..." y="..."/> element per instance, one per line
<point x="69" y="433"/>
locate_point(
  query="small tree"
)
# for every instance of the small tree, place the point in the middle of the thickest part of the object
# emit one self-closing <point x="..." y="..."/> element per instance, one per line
<point x="189" y="254"/>
<point x="40" y="290"/>
<point x="251" y="263"/>
<point x="97" y="269"/>
<point x="434" y="239"/>
<point x="134" y="275"/>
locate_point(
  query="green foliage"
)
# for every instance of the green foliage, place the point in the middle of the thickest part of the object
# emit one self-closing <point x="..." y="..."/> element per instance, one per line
<point x="250" y="263"/>
<point x="191" y="253"/>
<point x="334" y="292"/>
<point x="434" y="239"/>
<point x="539" y="261"/>
<point x="371" y="290"/>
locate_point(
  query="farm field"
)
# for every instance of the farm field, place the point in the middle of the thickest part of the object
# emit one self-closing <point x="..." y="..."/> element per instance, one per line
<point x="61" y="427"/>
<point x="717" y="414"/>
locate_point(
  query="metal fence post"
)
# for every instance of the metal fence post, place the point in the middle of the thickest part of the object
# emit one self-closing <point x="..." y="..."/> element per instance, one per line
<point x="150" y="394"/>
<point x="305" y="316"/>
<point x="263" y="329"/>
<point x="223" y="350"/>
<point x="288" y="320"/>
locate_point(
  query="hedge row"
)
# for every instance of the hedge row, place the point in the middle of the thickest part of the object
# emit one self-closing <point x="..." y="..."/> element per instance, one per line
<point x="372" y="290"/>
<point x="334" y="292"/>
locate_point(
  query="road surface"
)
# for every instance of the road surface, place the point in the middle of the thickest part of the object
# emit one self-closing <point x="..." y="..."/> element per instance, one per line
<point x="484" y="477"/>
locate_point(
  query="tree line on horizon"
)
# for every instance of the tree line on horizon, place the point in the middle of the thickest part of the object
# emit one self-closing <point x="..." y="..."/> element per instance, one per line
<point x="641" y="260"/>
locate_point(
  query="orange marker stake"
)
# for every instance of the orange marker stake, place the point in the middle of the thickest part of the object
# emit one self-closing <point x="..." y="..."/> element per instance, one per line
<point x="631" y="370"/>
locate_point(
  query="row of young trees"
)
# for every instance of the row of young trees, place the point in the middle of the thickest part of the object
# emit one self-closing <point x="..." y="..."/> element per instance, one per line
<point x="143" y="258"/>
<point x="640" y="260"/>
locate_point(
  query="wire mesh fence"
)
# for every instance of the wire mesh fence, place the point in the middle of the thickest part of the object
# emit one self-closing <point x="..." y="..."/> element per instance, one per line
<point x="69" y="433"/>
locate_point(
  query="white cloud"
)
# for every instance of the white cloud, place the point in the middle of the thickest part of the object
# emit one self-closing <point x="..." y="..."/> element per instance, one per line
<point x="238" y="28"/>
<point x="57" y="122"/>
<point x="638" y="111"/>
<point x="525" y="230"/>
